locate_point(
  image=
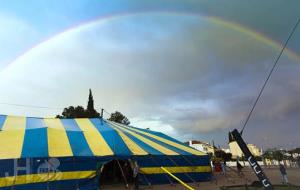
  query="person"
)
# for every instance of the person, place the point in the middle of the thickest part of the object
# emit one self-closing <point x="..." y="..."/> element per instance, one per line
<point x="283" y="174"/>
<point x="218" y="167"/>
<point x="212" y="165"/>
<point x="135" y="169"/>
<point x="239" y="167"/>
<point x="223" y="165"/>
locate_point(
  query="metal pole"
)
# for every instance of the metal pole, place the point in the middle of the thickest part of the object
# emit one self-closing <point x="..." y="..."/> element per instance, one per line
<point x="124" y="177"/>
<point x="102" y="113"/>
<point x="253" y="163"/>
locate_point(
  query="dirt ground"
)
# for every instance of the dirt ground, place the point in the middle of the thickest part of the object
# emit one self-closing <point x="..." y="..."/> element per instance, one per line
<point x="230" y="179"/>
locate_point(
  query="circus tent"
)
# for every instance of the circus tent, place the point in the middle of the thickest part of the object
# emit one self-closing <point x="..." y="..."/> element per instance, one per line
<point x="47" y="153"/>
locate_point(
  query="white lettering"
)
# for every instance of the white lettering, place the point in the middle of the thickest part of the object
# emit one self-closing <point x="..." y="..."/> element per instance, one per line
<point x="265" y="184"/>
<point x="255" y="169"/>
<point x="249" y="160"/>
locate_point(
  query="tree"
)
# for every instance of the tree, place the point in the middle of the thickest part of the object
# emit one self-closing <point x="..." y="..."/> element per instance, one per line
<point x="90" y="110"/>
<point x="73" y="112"/>
<point x="219" y="153"/>
<point x="118" y="117"/>
<point x="274" y="155"/>
<point x="79" y="111"/>
<point x="227" y="156"/>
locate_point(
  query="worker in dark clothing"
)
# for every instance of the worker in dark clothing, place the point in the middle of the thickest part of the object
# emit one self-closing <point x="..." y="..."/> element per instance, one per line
<point x="135" y="168"/>
<point x="239" y="167"/>
<point x="283" y="174"/>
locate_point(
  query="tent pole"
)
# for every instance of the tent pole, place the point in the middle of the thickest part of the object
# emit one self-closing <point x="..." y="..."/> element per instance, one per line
<point x="101" y="113"/>
<point x="170" y="181"/>
<point x="123" y="175"/>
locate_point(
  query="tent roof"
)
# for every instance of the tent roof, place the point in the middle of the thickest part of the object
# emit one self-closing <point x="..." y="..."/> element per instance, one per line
<point x="27" y="137"/>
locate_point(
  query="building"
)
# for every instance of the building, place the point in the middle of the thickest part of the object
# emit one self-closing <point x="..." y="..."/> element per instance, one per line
<point x="201" y="146"/>
<point x="226" y="150"/>
<point x="254" y="150"/>
<point x="237" y="152"/>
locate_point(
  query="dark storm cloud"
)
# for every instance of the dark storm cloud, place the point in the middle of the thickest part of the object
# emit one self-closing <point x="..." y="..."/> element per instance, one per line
<point x="182" y="72"/>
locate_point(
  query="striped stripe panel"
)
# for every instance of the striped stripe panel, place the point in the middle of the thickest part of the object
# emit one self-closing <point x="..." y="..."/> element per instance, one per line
<point x="179" y="151"/>
<point x="58" y="142"/>
<point x="111" y="137"/>
<point x="94" y="138"/>
<point x="133" y="147"/>
<point x="143" y="145"/>
<point x="2" y="120"/>
<point x="156" y="146"/>
<point x="166" y="141"/>
<point x="44" y="177"/>
<point x="76" y="138"/>
<point x="175" y="169"/>
<point x="35" y="140"/>
<point x="12" y="137"/>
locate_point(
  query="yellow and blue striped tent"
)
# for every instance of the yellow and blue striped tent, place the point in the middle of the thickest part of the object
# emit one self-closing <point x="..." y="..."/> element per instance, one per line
<point x="56" y="154"/>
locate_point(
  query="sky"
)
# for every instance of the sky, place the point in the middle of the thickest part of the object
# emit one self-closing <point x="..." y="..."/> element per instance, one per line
<point x="191" y="69"/>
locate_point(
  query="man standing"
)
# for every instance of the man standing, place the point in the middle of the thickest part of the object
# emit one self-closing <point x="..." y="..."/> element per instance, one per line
<point x="135" y="168"/>
<point x="239" y="167"/>
<point x="223" y="165"/>
<point x="283" y="174"/>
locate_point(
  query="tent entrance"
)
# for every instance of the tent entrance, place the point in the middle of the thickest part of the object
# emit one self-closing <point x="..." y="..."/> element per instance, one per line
<point x="116" y="172"/>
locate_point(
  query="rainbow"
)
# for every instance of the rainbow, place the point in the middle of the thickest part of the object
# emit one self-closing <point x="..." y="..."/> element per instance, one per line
<point x="211" y="19"/>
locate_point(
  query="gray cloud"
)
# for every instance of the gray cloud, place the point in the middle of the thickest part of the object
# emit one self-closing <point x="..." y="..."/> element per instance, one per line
<point x="181" y="74"/>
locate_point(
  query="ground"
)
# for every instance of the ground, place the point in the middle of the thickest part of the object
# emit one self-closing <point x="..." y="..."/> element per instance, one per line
<point x="231" y="179"/>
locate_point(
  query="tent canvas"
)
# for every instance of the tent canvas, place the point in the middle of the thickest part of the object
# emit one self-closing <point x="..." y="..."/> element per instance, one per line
<point x="46" y="153"/>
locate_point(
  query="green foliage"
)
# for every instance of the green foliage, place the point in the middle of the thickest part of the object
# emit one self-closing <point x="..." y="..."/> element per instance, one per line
<point x="118" y="117"/>
<point x="223" y="155"/>
<point x="274" y="155"/>
<point x="296" y="150"/>
<point x="228" y="156"/>
<point x="79" y="111"/>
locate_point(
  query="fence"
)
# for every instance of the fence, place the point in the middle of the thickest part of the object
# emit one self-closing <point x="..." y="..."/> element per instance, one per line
<point x="268" y="163"/>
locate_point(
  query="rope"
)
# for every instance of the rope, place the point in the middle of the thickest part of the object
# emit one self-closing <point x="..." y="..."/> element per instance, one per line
<point x="269" y="75"/>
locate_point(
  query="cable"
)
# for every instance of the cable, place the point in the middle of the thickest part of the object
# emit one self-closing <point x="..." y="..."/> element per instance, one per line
<point x="40" y="107"/>
<point x="104" y="110"/>
<point x="269" y="75"/>
<point x="31" y="106"/>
